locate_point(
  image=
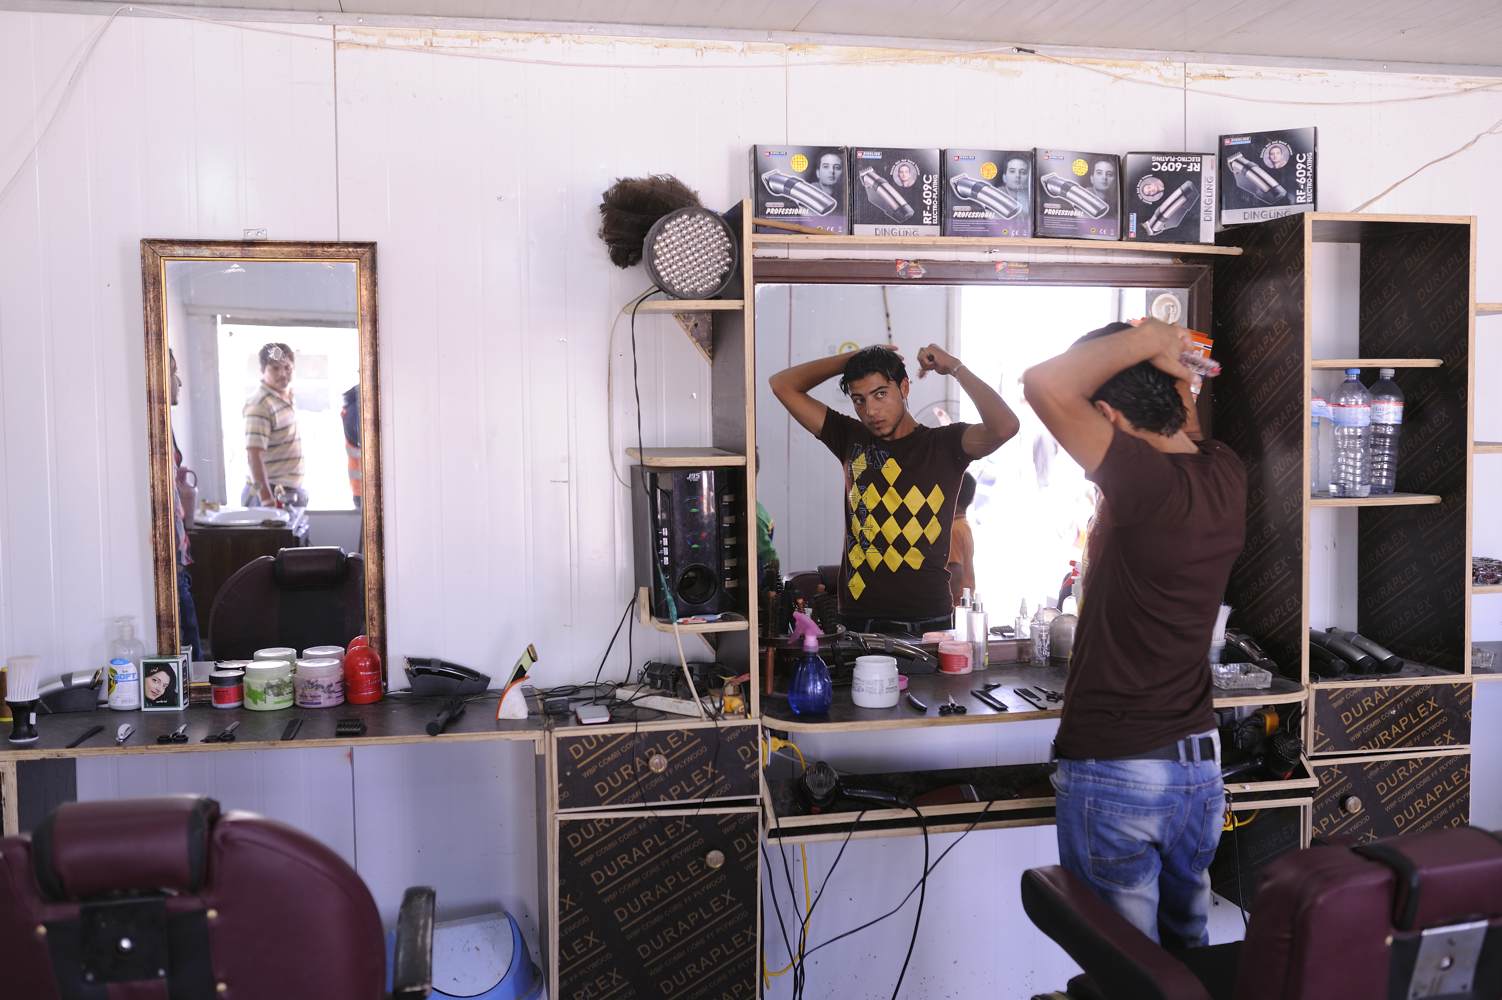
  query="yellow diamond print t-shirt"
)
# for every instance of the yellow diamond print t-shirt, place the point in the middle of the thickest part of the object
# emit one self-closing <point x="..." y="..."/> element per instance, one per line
<point x="899" y="504"/>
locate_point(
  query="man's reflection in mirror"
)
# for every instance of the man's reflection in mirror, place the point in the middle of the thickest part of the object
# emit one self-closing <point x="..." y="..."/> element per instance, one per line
<point x="272" y="447"/>
<point x="902" y="480"/>
<point x="349" y="413"/>
<point x="962" y="543"/>
<point x="184" y="501"/>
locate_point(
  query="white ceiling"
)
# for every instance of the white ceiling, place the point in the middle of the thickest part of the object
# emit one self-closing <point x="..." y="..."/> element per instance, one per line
<point x="1441" y="32"/>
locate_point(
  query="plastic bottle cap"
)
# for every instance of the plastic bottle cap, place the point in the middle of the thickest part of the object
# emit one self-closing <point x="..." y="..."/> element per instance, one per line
<point x="1352" y="372"/>
<point x="1386" y="372"/>
<point x="120" y="661"/>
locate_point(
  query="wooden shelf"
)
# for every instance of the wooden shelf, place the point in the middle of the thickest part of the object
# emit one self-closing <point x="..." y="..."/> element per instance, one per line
<point x="1321" y="364"/>
<point x="1489" y="309"/>
<point x="1352" y="227"/>
<point x="691" y="305"/>
<point x="686" y="458"/>
<point x="644" y="614"/>
<point x="1490" y="588"/>
<point x="799" y="241"/>
<point x="1387" y="500"/>
<point x="1489" y="447"/>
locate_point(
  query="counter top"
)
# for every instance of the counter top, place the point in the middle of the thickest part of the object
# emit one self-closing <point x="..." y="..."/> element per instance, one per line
<point x="934" y="689"/>
<point x="397" y="718"/>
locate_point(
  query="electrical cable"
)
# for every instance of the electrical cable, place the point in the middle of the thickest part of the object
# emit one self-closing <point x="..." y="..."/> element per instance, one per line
<point x="610" y="382"/>
<point x="614" y="635"/>
<point x="800" y="969"/>
<point x="903" y="902"/>
<point x="1236" y="863"/>
<point x="922" y="892"/>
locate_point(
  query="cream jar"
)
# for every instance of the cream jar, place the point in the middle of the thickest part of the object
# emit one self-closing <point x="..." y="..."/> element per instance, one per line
<point x="874" y="684"/>
<point x="268" y="685"/>
<point x="319" y="683"/>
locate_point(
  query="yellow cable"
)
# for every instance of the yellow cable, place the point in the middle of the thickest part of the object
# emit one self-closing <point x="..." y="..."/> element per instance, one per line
<point x="774" y="744"/>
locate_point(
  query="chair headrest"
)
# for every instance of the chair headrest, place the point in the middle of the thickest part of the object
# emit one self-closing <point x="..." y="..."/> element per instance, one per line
<point x="1443" y="876"/>
<point x="87" y="849"/>
<point x="310" y="566"/>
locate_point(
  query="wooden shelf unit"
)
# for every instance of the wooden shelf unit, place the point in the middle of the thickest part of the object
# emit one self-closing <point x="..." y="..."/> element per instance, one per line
<point x="691" y="305"/>
<point x="1486" y="588"/>
<point x="1340" y="364"/>
<point x="1385" y="500"/>
<point x="833" y="243"/>
<point x="1488" y="447"/>
<point x="1489" y="309"/>
<point x="1413" y="548"/>
<point x="686" y="458"/>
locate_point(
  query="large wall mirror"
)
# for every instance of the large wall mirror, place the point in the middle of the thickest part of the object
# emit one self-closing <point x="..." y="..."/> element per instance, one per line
<point x="1032" y="502"/>
<point x="265" y="444"/>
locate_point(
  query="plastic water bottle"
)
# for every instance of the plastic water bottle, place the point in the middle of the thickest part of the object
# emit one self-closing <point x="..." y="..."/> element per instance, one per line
<point x="1387" y="425"/>
<point x="1319" y="416"/>
<point x="1351" y="413"/>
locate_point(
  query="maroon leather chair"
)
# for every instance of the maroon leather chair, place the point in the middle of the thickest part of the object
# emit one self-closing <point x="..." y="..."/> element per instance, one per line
<point x="308" y="596"/>
<point x="1414" y="916"/>
<point x="166" y="899"/>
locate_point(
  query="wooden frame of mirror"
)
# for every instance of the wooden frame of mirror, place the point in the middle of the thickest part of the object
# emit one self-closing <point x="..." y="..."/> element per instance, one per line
<point x="155" y="255"/>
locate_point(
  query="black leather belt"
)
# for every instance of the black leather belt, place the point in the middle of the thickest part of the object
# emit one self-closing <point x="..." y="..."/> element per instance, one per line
<point x="1190" y="750"/>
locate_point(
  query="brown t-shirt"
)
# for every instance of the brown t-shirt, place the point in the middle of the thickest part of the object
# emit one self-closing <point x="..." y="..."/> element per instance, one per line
<point x="1168" y="530"/>
<point x="899" y="503"/>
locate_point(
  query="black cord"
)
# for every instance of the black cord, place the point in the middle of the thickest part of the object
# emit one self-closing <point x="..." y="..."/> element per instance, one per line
<point x="903" y="902"/>
<point x="1236" y="862"/>
<point x="799" y="970"/>
<point x="614" y="635"/>
<point x="922" y="892"/>
<point x="777" y="908"/>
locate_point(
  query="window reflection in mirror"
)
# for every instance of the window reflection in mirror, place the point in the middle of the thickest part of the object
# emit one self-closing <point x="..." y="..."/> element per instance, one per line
<point x="1032" y="503"/>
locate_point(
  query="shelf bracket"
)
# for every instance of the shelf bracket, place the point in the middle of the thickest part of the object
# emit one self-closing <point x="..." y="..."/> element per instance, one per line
<point x="700" y="329"/>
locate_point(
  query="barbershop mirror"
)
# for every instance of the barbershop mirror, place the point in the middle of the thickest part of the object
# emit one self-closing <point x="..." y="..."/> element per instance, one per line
<point x="1032" y="502"/>
<point x="265" y="444"/>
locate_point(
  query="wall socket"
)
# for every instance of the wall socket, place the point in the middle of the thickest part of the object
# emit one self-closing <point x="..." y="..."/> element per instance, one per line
<point x="254" y="234"/>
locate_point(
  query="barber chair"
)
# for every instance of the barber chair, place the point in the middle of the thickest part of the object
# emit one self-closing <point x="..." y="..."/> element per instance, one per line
<point x="1409" y="917"/>
<point x="141" y="899"/>
<point x="300" y="597"/>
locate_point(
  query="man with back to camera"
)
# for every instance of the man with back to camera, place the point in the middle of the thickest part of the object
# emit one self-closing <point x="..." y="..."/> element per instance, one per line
<point x="1139" y="799"/>
<point x="901" y="480"/>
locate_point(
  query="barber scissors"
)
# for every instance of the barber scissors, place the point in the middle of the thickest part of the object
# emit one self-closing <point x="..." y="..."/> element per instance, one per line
<point x="951" y="708"/>
<point x="226" y="735"/>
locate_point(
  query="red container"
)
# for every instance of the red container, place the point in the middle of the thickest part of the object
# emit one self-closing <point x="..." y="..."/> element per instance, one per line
<point x="362" y="676"/>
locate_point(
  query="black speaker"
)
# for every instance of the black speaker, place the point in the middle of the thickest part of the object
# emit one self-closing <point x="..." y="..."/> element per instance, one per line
<point x="688" y="539"/>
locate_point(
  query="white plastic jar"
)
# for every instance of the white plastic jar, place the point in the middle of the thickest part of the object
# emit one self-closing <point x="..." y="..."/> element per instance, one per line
<point x="319" y="683"/>
<point x="874" y="684"/>
<point x="268" y="685"/>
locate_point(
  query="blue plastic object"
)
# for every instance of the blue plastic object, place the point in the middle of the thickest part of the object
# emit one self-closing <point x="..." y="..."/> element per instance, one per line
<point x="812" y="690"/>
<point x="479" y="958"/>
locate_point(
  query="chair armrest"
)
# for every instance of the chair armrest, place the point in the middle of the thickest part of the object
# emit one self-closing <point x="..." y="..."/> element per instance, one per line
<point x="412" y="965"/>
<point x="1111" y="951"/>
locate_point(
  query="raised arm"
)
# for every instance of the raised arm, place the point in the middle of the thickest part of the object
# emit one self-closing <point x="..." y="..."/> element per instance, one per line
<point x="792" y="385"/>
<point x="998" y="423"/>
<point x="1060" y="388"/>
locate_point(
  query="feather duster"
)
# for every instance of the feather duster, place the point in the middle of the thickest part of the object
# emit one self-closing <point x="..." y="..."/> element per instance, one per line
<point x="629" y="208"/>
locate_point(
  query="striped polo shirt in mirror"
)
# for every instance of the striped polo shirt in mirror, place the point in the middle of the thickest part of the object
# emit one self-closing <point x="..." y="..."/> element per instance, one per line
<point x="271" y="424"/>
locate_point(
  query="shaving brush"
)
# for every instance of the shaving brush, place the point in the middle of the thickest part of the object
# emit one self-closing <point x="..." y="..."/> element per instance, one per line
<point x="21" y="676"/>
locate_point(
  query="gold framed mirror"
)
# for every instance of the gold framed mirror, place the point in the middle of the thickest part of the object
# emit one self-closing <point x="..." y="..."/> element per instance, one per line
<point x="263" y="411"/>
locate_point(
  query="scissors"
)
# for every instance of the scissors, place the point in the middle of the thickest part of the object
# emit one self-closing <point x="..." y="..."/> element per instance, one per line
<point x="178" y="735"/>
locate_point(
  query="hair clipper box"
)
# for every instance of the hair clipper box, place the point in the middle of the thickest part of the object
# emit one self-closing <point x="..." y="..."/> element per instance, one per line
<point x="987" y="192"/>
<point x="1168" y="197"/>
<point x="1266" y="175"/>
<point x="1077" y="195"/>
<point x="805" y="185"/>
<point x="894" y="192"/>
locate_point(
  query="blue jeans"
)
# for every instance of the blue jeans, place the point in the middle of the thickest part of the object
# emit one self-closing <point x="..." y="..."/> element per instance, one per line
<point x="1142" y="833"/>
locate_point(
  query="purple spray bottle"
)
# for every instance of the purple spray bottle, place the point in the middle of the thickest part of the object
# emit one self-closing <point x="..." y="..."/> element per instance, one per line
<point x="812" y="692"/>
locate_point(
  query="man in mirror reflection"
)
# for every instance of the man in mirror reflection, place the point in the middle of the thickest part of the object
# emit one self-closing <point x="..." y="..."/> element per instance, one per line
<point x="184" y="491"/>
<point x="962" y="543"/>
<point x="273" y="449"/>
<point x="902" y="480"/>
<point x="1139" y="800"/>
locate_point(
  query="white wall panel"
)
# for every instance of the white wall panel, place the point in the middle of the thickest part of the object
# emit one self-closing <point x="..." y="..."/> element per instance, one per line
<point x="479" y="179"/>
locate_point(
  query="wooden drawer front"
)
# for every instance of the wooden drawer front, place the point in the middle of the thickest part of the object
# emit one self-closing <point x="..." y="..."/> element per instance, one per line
<point x="646" y="767"/>
<point x="1394" y="717"/>
<point x="1396" y="795"/>
<point x="643" y="912"/>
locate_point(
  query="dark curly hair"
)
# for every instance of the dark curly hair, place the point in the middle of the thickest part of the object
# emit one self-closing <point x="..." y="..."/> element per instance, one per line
<point x="1144" y="395"/>
<point x="873" y="361"/>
